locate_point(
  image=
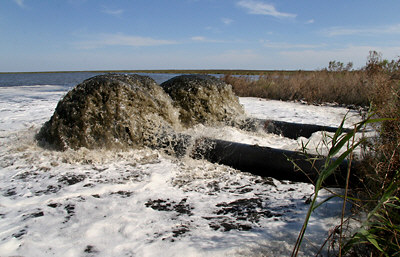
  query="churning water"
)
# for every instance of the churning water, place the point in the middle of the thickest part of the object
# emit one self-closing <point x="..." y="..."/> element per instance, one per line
<point x="137" y="202"/>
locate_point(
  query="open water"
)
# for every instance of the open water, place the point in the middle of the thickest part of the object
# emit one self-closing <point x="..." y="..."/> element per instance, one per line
<point x="65" y="79"/>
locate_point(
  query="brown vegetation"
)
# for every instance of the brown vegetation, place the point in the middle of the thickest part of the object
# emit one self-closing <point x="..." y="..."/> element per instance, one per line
<point x="382" y="171"/>
<point x="377" y="85"/>
<point x="342" y="87"/>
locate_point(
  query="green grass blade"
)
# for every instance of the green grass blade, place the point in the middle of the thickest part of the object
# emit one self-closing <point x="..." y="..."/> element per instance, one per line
<point x="324" y="201"/>
<point x="332" y="166"/>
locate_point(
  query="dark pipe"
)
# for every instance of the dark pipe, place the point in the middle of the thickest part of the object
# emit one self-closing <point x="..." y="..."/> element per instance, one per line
<point x="288" y="129"/>
<point x="263" y="161"/>
<point x="266" y="161"/>
<point x="295" y="130"/>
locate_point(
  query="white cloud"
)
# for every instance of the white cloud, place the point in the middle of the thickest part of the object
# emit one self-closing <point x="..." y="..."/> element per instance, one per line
<point x="205" y="40"/>
<point x="20" y="3"/>
<point x="103" y="40"/>
<point x="226" y="21"/>
<point x="285" y="45"/>
<point x="113" y="12"/>
<point x="310" y="21"/>
<point x="257" y="7"/>
<point x="198" y="38"/>
<point x="213" y="29"/>
<point x="344" y="31"/>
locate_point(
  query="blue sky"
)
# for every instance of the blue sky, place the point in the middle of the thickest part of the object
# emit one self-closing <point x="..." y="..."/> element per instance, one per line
<point x="50" y="35"/>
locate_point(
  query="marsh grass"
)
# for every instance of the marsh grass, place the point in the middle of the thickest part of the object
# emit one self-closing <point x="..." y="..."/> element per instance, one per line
<point x="344" y="87"/>
<point x="380" y="232"/>
<point x="338" y="141"/>
<point x="377" y="192"/>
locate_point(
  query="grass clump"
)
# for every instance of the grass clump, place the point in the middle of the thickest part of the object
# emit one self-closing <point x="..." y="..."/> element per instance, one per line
<point x="380" y="232"/>
<point x="316" y="87"/>
<point x="338" y="141"/>
<point x="377" y="193"/>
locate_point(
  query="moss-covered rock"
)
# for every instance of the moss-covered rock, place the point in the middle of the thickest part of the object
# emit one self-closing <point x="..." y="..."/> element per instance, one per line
<point x="111" y="111"/>
<point x="203" y="99"/>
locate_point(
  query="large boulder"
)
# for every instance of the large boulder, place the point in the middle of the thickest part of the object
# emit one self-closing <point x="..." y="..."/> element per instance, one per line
<point x="203" y="99"/>
<point x="111" y="111"/>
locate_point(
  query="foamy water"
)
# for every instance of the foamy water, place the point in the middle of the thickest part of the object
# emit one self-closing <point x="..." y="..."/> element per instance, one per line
<point x="299" y="113"/>
<point x="142" y="202"/>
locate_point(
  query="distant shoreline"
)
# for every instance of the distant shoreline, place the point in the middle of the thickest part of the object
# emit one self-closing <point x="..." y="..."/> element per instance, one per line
<point x="172" y="71"/>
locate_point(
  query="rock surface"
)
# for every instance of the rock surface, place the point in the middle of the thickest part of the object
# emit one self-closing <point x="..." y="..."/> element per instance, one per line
<point x="111" y="111"/>
<point x="203" y="99"/>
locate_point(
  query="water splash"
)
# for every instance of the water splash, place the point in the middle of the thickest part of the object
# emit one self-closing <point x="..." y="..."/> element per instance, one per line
<point x="111" y="111"/>
<point x="203" y="99"/>
<point x="116" y="111"/>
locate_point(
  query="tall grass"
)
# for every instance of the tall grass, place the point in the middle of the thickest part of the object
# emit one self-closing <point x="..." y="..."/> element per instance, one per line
<point x="338" y="141"/>
<point x="380" y="232"/>
<point x="345" y="87"/>
<point x="377" y="85"/>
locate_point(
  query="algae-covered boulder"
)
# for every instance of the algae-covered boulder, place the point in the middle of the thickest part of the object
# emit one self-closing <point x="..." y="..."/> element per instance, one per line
<point x="203" y="99"/>
<point x="111" y="111"/>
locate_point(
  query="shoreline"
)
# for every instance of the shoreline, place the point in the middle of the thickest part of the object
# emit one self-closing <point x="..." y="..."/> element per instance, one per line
<point x="173" y="71"/>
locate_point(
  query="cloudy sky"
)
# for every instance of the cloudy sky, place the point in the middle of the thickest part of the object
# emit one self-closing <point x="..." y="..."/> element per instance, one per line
<point x="49" y="35"/>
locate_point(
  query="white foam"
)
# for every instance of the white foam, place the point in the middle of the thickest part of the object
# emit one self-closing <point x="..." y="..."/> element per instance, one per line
<point x="98" y="202"/>
<point x="299" y="113"/>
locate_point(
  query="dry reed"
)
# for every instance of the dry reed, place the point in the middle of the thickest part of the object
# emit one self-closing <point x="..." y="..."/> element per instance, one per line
<point x="344" y="87"/>
<point x="377" y="85"/>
